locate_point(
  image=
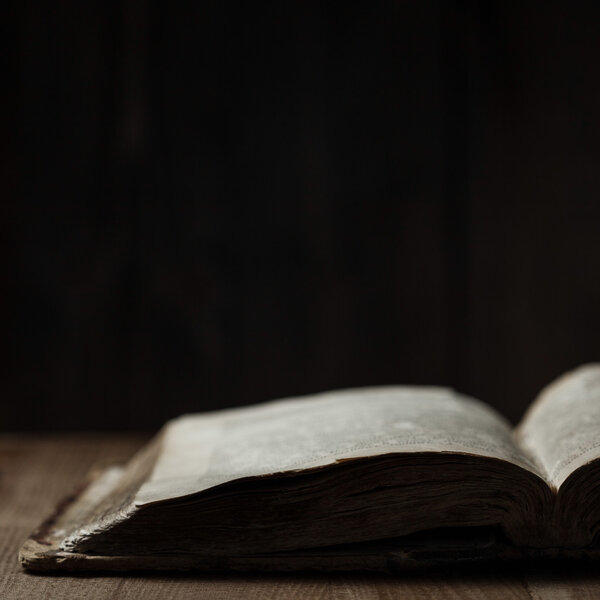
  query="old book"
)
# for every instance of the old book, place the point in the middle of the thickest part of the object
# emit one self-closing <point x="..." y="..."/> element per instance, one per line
<point x="375" y="478"/>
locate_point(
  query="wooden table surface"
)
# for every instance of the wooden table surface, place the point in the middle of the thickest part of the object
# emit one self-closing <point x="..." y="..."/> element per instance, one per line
<point x="37" y="471"/>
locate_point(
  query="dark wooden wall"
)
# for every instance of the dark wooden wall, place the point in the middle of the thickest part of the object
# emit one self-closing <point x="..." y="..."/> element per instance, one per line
<point x="221" y="205"/>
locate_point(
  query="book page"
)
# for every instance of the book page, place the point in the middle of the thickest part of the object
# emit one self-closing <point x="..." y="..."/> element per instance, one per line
<point x="562" y="427"/>
<point x="201" y="451"/>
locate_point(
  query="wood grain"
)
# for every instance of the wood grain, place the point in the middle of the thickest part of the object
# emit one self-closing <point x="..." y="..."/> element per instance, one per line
<point x="37" y="471"/>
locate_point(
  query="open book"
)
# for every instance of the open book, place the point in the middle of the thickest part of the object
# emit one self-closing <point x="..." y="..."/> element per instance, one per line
<point x="367" y="478"/>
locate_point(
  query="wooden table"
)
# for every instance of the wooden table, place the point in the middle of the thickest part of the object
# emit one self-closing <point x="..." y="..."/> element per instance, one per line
<point x="36" y="471"/>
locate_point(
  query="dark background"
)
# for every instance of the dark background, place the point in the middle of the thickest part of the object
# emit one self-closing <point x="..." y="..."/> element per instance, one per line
<point x="240" y="201"/>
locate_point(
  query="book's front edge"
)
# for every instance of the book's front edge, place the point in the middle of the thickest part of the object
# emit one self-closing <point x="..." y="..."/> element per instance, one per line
<point x="42" y="552"/>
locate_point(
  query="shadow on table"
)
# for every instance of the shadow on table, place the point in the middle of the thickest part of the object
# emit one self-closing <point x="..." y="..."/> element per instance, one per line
<point x="534" y="572"/>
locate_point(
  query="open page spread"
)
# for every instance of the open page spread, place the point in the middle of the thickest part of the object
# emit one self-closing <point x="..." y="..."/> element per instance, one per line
<point x="201" y="451"/>
<point x="562" y="427"/>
